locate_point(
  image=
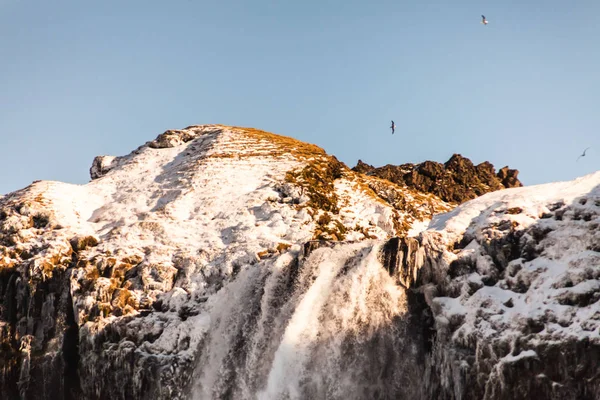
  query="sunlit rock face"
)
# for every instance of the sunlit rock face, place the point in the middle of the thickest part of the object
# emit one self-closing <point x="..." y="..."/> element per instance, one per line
<point x="456" y="181"/>
<point x="229" y="263"/>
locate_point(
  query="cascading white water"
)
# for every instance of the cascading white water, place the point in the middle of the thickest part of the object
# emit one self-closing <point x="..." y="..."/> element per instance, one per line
<point x="332" y="327"/>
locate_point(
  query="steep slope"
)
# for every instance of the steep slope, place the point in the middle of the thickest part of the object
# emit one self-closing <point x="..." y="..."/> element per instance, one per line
<point x="513" y="282"/>
<point x="104" y="284"/>
<point x="455" y="181"/>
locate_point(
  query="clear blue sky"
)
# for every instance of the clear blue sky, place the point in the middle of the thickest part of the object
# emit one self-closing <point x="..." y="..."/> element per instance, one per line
<point x="81" y="78"/>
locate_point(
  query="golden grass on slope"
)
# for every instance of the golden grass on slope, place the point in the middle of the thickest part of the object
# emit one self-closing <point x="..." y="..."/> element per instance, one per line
<point x="317" y="179"/>
<point x="286" y="144"/>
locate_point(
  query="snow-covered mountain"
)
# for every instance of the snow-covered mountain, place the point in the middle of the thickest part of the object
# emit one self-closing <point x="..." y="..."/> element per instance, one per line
<point x="223" y="262"/>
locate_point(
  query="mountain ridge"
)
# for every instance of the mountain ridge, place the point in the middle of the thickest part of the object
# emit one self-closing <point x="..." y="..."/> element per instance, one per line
<point x="182" y="270"/>
<point x="455" y="181"/>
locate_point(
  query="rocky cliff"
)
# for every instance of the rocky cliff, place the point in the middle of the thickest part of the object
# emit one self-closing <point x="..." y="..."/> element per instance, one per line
<point x="456" y="181"/>
<point x="103" y="285"/>
<point x="512" y="286"/>
<point x="226" y="263"/>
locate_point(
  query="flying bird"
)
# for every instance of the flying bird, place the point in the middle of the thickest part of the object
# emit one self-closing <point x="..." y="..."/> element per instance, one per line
<point x="393" y="127"/>
<point x="583" y="154"/>
<point x="483" y="20"/>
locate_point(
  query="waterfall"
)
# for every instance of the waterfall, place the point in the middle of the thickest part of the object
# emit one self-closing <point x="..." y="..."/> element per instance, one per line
<point x="330" y="326"/>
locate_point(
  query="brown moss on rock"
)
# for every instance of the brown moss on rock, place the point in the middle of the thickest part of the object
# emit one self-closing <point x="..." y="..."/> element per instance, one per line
<point x="80" y="243"/>
<point x="281" y="247"/>
<point x="317" y="181"/>
<point x="329" y="229"/>
<point x="132" y="260"/>
<point x="124" y="299"/>
<point x="514" y="210"/>
<point x="324" y="219"/>
<point x="92" y="274"/>
<point x="264" y="254"/>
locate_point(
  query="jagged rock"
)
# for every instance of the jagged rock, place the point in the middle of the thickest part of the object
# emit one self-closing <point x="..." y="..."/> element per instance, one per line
<point x="176" y="137"/>
<point x="172" y="138"/>
<point x="403" y="258"/>
<point x="313" y="245"/>
<point x="508" y="177"/>
<point x="456" y="181"/>
<point x="81" y="242"/>
<point x="101" y="166"/>
<point x="363" y="168"/>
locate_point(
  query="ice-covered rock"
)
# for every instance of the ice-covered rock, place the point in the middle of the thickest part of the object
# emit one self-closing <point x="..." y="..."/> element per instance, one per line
<point x="516" y="294"/>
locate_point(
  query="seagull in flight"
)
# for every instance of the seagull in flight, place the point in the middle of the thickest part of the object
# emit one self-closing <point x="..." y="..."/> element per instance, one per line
<point x="583" y="154"/>
<point x="393" y="127"/>
<point x="483" y="20"/>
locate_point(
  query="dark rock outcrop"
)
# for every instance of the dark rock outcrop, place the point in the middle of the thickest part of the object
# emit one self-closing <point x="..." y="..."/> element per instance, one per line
<point x="403" y="258"/>
<point x="101" y="166"/>
<point x="508" y="177"/>
<point x="175" y="137"/>
<point x="456" y="181"/>
<point x="39" y="351"/>
<point x="313" y="245"/>
<point x="363" y="167"/>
